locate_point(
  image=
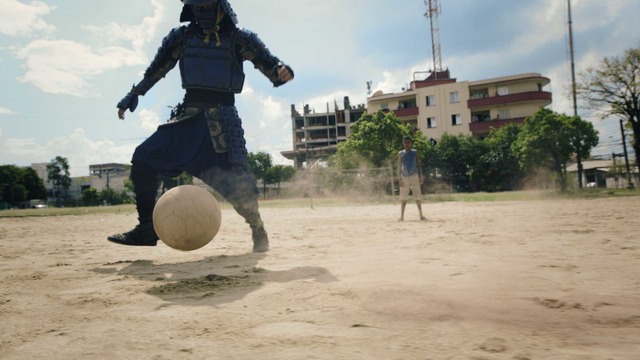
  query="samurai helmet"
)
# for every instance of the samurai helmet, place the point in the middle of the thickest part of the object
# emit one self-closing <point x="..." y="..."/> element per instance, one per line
<point x="206" y="18"/>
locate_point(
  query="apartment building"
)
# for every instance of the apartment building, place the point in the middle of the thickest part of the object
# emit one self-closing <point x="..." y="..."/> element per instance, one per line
<point x="440" y="104"/>
<point x="315" y="135"/>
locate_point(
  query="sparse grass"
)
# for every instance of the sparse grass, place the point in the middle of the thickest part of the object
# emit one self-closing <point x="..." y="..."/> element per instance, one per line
<point x="530" y="195"/>
<point x="68" y="211"/>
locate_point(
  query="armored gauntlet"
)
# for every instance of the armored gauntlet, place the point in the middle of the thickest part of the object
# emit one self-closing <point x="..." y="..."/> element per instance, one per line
<point x="129" y="101"/>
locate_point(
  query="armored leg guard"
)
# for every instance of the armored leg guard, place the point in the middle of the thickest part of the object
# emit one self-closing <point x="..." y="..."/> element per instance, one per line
<point x="239" y="189"/>
<point x="252" y="216"/>
<point x="145" y="186"/>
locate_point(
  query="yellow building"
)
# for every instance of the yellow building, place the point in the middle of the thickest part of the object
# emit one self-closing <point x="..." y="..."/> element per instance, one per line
<point x="440" y="104"/>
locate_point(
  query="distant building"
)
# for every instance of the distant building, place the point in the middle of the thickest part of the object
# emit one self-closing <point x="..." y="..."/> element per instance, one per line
<point x="101" y="176"/>
<point x="605" y="174"/>
<point x="316" y="135"/>
<point x="41" y="170"/>
<point x="110" y="175"/>
<point x="440" y="104"/>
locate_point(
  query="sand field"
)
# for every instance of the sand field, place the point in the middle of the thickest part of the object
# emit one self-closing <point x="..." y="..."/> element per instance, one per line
<point x="544" y="279"/>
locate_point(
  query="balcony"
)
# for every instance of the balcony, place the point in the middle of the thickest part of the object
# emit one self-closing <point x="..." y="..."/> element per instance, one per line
<point x="483" y="127"/>
<point x="413" y="111"/>
<point x="543" y="96"/>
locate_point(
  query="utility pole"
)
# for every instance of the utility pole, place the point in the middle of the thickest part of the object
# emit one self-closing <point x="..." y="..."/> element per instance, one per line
<point x="573" y="84"/>
<point x="573" y="65"/>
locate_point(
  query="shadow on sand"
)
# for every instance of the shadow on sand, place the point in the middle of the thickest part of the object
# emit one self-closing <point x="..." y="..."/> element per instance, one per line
<point x="212" y="280"/>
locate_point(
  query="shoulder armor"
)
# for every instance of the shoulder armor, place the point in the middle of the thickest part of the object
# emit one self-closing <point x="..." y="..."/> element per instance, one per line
<point x="175" y="36"/>
<point x="166" y="59"/>
<point x="249" y="47"/>
<point x="248" y="43"/>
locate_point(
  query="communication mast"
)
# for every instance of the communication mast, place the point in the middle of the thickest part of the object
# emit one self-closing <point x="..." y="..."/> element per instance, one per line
<point x="433" y="12"/>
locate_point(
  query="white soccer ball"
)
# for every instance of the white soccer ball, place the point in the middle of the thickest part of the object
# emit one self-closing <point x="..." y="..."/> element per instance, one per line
<point x="187" y="217"/>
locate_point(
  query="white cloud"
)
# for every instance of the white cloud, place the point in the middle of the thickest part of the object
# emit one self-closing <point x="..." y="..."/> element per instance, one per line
<point x="267" y="125"/>
<point x="320" y="102"/>
<point x="66" y="67"/>
<point x="5" y="111"/>
<point x="19" y="19"/>
<point x="82" y="152"/>
<point x="391" y="82"/>
<point x="76" y="147"/>
<point x="138" y="35"/>
<point x="273" y="114"/>
<point x="149" y="120"/>
<point x="589" y="14"/>
<point x="549" y="25"/>
<point x="22" y="149"/>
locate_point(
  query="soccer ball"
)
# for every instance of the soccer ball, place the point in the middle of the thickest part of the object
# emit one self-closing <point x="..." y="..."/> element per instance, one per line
<point x="187" y="217"/>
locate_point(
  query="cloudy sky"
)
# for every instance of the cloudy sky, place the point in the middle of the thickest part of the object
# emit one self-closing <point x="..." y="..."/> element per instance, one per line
<point x="65" y="64"/>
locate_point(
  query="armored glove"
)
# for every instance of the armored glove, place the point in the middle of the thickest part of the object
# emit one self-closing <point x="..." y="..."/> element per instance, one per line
<point x="282" y="73"/>
<point x="130" y="101"/>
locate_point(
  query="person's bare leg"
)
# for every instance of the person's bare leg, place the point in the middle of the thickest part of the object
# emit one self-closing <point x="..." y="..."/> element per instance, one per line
<point x="419" y="205"/>
<point x="403" y="205"/>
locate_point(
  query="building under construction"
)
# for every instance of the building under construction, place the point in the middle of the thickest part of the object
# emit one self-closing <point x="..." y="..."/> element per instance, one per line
<point x="316" y="135"/>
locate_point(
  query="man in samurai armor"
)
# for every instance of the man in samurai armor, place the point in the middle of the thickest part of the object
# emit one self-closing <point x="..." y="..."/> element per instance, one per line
<point x="204" y="136"/>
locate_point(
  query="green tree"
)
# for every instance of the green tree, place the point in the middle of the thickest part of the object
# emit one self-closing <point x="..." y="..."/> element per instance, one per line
<point x="259" y="165"/>
<point x="12" y="190"/>
<point x="168" y="182"/>
<point x="546" y="140"/>
<point x="457" y="157"/>
<point x="108" y="196"/>
<point x="58" y="174"/>
<point x="583" y="138"/>
<point x="128" y="184"/>
<point x="90" y="197"/>
<point x="7" y="177"/>
<point x="613" y="88"/>
<point x="280" y="173"/>
<point x="498" y="168"/>
<point x="19" y="184"/>
<point x="33" y="183"/>
<point x="375" y="139"/>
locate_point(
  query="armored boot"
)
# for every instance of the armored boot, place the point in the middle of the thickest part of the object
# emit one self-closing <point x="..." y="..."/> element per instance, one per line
<point x="145" y="186"/>
<point x="142" y="235"/>
<point x="258" y="234"/>
<point x="260" y="238"/>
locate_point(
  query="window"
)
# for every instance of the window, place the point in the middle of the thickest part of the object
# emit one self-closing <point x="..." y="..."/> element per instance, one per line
<point x="481" y="116"/>
<point x="479" y="94"/>
<point x="431" y="123"/>
<point x="431" y="100"/>
<point x="505" y="114"/>
<point x="503" y="90"/>
<point x="453" y="97"/>
<point x="456" y="119"/>
<point x="406" y="104"/>
<point x="384" y="106"/>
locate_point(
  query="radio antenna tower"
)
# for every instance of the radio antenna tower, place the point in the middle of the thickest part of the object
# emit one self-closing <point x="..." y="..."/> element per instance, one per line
<point x="433" y="12"/>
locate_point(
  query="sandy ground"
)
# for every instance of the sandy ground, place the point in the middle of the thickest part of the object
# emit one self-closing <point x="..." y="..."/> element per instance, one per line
<point x="548" y="279"/>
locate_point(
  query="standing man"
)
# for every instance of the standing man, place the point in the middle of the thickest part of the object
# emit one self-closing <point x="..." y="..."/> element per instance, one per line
<point x="410" y="177"/>
<point x="204" y="136"/>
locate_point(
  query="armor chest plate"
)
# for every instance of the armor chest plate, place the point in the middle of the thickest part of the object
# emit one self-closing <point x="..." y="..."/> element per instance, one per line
<point x="210" y="67"/>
